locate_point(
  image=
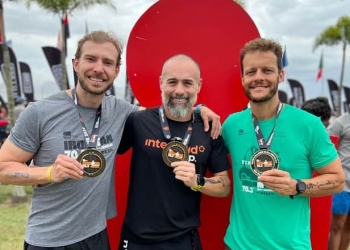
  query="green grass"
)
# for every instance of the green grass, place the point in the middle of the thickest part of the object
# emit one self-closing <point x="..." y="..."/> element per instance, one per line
<point x="12" y="219"/>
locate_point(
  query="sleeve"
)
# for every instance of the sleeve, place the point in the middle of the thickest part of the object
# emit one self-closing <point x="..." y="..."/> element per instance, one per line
<point x="26" y="132"/>
<point x="127" y="137"/>
<point x="335" y="128"/>
<point x="218" y="159"/>
<point x="322" y="150"/>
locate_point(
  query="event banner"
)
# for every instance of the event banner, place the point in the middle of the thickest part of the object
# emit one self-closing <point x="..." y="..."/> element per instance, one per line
<point x="16" y="89"/>
<point x="298" y="93"/>
<point x="27" y="81"/>
<point x="333" y="92"/>
<point x="53" y="57"/>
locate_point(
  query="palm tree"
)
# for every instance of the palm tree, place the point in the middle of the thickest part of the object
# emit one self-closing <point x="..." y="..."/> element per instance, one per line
<point x="60" y="8"/>
<point x="335" y="35"/>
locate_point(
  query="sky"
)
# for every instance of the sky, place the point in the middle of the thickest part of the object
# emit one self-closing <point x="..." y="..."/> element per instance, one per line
<point x="294" y="24"/>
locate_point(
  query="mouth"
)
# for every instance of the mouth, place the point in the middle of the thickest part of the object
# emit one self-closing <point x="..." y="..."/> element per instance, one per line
<point x="96" y="79"/>
<point x="259" y="87"/>
<point x="179" y="99"/>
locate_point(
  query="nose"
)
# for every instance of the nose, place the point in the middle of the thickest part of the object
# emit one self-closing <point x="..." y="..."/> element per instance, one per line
<point x="179" y="89"/>
<point x="98" y="67"/>
<point x="259" y="75"/>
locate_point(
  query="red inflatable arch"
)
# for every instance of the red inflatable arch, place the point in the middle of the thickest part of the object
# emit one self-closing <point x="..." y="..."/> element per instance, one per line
<point x="212" y="32"/>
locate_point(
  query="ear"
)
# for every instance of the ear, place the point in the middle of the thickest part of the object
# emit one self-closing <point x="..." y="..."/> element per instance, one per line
<point x="281" y="76"/>
<point x="117" y="69"/>
<point x="160" y="83"/>
<point x="75" y="64"/>
<point x="199" y="85"/>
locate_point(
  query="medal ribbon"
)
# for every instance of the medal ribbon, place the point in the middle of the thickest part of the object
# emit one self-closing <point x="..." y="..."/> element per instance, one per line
<point x="92" y="141"/>
<point x="166" y="129"/>
<point x="263" y="145"/>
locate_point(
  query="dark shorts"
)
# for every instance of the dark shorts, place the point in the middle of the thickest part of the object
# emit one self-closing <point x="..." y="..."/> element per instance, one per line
<point x="187" y="241"/>
<point x="96" y="242"/>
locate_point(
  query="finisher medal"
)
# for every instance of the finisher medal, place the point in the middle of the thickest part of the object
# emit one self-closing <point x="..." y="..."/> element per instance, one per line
<point x="93" y="162"/>
<point x="263" y="160"/>
<point x="175" y="151"/>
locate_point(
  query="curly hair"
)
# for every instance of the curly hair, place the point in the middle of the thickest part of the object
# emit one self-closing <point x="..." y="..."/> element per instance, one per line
<point x="319" y="107"/>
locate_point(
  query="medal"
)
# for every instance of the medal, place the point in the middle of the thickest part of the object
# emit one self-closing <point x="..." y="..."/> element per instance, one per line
<point x="93" y="162"/>
<point x="263" y="160"/>
<point x="175" y="151"/>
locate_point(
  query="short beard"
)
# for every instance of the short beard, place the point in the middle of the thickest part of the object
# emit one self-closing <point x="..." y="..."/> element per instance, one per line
<point x="178" y="110"/>
<point x="266" y="98"/>
<point x="90" y="91"/>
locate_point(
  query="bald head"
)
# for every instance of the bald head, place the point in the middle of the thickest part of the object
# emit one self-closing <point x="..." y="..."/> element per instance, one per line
<point x="181" y="61"/>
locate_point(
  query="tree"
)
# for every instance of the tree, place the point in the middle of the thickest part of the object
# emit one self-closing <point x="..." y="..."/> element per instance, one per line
<point x="335" y="35"/>
<point x="60" y="8"/>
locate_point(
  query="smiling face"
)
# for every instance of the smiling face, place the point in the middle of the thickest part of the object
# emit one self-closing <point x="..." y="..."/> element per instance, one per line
<point x="97" y="67"/>
<point x="260" y="76"/>
<point x="180" y="83"/>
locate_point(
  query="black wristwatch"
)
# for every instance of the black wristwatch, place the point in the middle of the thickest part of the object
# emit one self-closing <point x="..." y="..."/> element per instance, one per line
<point x="300" y="187"/>
<point x="200" y="183"/>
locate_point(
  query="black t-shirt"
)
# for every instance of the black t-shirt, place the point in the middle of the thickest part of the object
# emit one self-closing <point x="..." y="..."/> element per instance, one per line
<point x="159" y="206"/>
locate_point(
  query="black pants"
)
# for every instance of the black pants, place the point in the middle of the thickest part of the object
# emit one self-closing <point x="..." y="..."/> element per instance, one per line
<point x="187" y="241"/>
<point x="96" y="242"/>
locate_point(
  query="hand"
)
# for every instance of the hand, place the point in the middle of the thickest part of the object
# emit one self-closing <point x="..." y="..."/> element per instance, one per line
<point x="208" y="115"/>
<point x="279" y="181"/>
<point x="186" y="172"/>
<point x="66" y="168"/>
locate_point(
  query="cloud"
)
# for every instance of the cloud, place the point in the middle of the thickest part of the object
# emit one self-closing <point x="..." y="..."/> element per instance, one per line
<point x="295" y="24"/>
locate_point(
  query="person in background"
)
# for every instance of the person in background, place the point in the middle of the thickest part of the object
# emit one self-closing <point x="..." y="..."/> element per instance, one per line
<point x="20" y="106"/>
<point x="274" y="149"/>
<point x="171" y="154"/>
<point x="73" y="137"/>
<point x="319" y="107"/>
<point x="340" y="223"/>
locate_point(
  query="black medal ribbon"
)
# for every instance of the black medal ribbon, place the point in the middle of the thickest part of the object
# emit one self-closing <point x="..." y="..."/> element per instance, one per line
<point x="264" y="159"/>
<point x="93" y="160"/>
<point x="176" y="150"/>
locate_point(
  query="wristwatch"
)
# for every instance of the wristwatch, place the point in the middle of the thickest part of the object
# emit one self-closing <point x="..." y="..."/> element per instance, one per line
<point x="200" y="183"/>
<point x="300" y="187"/>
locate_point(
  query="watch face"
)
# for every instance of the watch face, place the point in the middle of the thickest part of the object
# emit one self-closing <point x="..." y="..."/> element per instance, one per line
<point x="200" y="180"/>
<point x="301" y="186"/>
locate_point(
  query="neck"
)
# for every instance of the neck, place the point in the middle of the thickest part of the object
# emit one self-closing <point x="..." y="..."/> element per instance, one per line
<point x="178" y="119"/>
<point x="264" y="110"/>
<point x="86" y="99"/>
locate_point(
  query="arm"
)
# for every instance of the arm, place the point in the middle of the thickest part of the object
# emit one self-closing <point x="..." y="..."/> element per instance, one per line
<point x="13" y="171"/>
<point x="330" y="180"/>
<point x="207" y="116"/>
<point x="127" y="138"/>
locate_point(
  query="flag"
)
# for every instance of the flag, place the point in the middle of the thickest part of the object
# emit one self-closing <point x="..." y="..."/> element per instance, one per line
<point x="66" y="26"/>
<point x="284" y="58"/>
<point x="320" y="69"/>
<point x="86" y="27"/>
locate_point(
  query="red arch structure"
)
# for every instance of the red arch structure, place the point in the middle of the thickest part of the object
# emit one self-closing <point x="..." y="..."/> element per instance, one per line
<point x="212" y="32"/>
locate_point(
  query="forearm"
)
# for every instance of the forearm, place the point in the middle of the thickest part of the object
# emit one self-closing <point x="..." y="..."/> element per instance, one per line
<point x="16" y="173"/>
<point x="217" y="186"/>
<point x="325" y="184"/>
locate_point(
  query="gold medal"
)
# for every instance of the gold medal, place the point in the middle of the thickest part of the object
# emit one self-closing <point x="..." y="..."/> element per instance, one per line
<point x="175" y="151"/>
<point x="93" y="162"/>
<point x="263" y="160"/>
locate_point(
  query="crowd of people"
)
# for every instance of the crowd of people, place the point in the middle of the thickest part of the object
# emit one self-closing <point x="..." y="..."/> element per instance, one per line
<point x="273" y="156"/>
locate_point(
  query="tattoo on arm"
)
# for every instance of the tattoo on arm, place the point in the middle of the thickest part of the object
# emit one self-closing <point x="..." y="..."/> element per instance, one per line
<point x="215" y="181"/>
<point x="323" y="185"/>
<point x="18" y="175"/>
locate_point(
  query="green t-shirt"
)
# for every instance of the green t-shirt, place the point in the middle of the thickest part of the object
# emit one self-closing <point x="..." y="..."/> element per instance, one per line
<point x="259" y="217"/>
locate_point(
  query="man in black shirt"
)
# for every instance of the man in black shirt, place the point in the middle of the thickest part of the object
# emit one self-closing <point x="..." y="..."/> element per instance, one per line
<point x="171" y="153"/>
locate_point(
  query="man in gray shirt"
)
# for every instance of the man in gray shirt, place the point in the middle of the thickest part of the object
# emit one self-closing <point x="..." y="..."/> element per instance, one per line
<point x="73" y="137"/>
<point x="340" y="223"/>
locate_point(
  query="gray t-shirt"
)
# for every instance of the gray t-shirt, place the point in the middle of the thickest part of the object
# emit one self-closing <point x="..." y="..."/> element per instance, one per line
<point x="341" y="127"/>
<point x="70" y="211"/>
